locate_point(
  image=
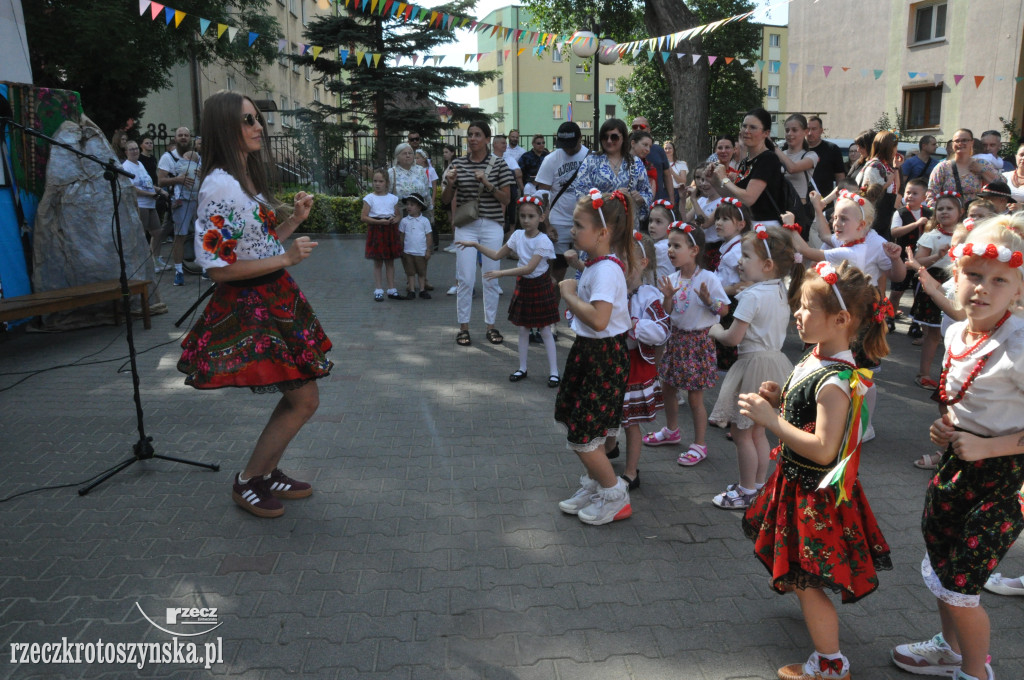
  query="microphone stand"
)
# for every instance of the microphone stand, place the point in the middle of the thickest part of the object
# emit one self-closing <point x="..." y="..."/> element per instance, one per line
<point x="143" y="448"/>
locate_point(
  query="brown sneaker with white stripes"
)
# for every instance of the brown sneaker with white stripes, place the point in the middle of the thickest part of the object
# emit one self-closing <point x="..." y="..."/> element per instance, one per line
<point x="283" y="486"/>
<point x="255" y="496"/>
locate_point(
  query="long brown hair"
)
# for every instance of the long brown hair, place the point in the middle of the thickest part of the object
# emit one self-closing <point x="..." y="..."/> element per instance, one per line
<point x="223" y="144"/>
<point x="618" y="217"/>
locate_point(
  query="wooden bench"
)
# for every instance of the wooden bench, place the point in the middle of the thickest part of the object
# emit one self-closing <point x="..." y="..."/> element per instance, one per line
<point x="37" y="304"/>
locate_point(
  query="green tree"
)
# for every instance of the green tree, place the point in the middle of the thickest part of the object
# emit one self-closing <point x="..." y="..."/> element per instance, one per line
<point x="388" y="98"/>
<point x="114" y="58"/>
<point x="698" y="103"/>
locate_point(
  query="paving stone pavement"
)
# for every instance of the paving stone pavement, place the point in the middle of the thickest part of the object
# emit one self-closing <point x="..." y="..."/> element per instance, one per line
<point x="432" y="547"/>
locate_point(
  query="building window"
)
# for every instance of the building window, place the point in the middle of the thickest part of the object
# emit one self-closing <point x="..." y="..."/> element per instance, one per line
<point x="231" y="83"/>
<point x="556" y="83"/>
<point x="556" y="112"/>
<point x="556" y="56"/>
<point x="584" y="97"/>
<point x="609" y="111"/>
<point x="295" y="66"/>
<point x="302" y="7"/>
<point x="774" y="66"/>
<point x="582" y="68"/>
<point x="609" y="84"/>
<point x="316" y="94"/>
<point x="293" y="7"/>
<point x="501" y="86"/>
<point x="773" y="91"/>
<point x="501" y="57"/>
<point x="309" y="72"/>
<point x="284" y="116"/>
<point x="922" y="107"/>
<point x="586" y="125"/>
<point x="929" y="22"/>
<point x="773" y="39"/>
<point x="269" y="115"/>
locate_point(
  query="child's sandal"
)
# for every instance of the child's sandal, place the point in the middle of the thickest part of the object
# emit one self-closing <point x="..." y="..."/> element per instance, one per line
<point x="695" y="454"/>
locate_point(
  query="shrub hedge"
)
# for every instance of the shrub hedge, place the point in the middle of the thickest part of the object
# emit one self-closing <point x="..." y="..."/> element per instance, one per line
<point x="340" y="215"/>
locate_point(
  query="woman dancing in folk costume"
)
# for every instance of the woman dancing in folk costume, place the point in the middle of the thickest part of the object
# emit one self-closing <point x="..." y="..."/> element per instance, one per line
<point x="258" y="330"/>
<point x="972" y="512"/>
<point x="590" y="398"/>
<point x="811" y="524"/>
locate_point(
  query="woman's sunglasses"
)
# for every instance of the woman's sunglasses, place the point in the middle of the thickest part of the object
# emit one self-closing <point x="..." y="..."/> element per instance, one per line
<point x="614" y="137"/>
<point x="251" y="120"/>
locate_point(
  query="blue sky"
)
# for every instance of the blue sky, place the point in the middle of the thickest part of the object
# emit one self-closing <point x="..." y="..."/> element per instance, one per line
<point x="466" y="43"/>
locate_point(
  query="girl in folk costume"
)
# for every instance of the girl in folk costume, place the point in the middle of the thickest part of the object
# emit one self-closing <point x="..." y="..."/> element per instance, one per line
<point x="758" y="332"/>
<point x="696" y="302"/>
<point x="650" y="331"/>
<point x="590" y="398"/>
<point x="811" y="524"/>
<point x="661" y="218"/>
<point x="972" y="514"/>
<point x="258" y="330"/>
<point x="732" y="220"/>
<point x="533" y="303"/>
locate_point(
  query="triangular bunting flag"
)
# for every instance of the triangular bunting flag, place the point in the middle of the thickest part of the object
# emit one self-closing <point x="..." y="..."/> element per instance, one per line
<point x="729" y="60"/>
<point x="957" y="78"/>
<point x="316" y="51"/>
<point x="680" y="55"/>
<point x="282" y="45"/>
<point x="178" y="16"/>
<point x="168" y="15"/>
<point x="305" y="48"/>
<point x="388" y="6"/>
<point x="143" y="6"/>
<point x="220" y="30"/>
<point x="359" y="57"/>
<point x="827" y="70"/>
<point x="878" y="73"/>
<point x="520" y="52"/>
<point x="415" y="58"/>
<point x="433" y="18"/>
<point x="479" y="55"/>
<point x="232" y="32"/>
<point x="845" y="68"/>
<point x="1017" y="79"/>
<point x="451" y="20"/>
<point x="792" y="68"/>
<point x="401" y="8"/>
<point x="154" y="10"/>
<point x="743" y="62"/>
<point x="342" y="56"/>
<point x="912" y="74"/>
<point x="696" y="58"/>
<point x="507" y="52"/>
<point x="203" y="25"/>
<point x="759" y="64"/>
<point x="664" y="57"/>
<point x="376" y="60"/>
<point x="515" y="36"/>
<point x="373" y="6"/>
<point x="977" y="81"/>
<point x="863" y="73"/>
<point x="711" y="59"/>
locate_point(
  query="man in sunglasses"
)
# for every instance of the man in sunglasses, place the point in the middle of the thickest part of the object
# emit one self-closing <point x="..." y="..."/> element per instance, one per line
<point x="179" y="174"/>
<point x="658" y="159"/>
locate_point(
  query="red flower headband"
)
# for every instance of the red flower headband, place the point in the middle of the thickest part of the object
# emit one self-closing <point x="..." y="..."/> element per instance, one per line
<point x="534" y="200"/>
<point x="685" y="228"/>
<point x="856" y="198"/>
<point x="829" y="275"/>
<point x="662" y="203"/>
<point x="761" y="232"/>
<point x="597" y="201"/>
<point x="732" y="201"/>
<point x="952" y="194"/>
<point x="1014" y="258"/>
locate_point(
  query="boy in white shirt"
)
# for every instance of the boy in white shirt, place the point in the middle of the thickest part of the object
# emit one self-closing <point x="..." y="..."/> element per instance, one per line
<point x="418" y="246"/>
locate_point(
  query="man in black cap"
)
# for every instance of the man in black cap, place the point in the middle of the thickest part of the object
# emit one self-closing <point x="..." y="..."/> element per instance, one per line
<point x="557" y="171"/>
<point x="999" y="194"/>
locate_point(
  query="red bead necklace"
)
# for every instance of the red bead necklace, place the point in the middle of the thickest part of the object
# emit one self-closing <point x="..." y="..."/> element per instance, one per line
<point x="591" y="263"/>
<point x="943" y="398"/>
<point x="817" y="355"/>
<point x="855" y="242"/>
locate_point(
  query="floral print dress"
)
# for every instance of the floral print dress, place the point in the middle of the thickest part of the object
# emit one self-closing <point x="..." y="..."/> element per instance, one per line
<point x="259" y="333"/>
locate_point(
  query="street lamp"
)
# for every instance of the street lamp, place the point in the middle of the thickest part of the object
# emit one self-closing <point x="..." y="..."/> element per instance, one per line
<point x="585" y="44"/>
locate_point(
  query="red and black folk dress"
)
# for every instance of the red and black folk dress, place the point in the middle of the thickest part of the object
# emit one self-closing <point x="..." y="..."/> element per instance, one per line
<point x="259" y="333"/>
<point x="800" y="535"/>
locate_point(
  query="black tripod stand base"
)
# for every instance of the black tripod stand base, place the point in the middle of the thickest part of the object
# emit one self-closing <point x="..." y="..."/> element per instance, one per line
<point x="143" y="450"/>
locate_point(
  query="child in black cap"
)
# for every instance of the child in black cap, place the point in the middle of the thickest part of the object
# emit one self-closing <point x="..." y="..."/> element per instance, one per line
<point x="417" y="246"/>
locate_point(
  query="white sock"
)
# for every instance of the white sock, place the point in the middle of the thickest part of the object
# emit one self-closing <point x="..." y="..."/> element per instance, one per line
<point x="524" y="346"/>
<point x="549" y="347"/>
<point x="745" y="491"/>
<point x="177" y="268"/>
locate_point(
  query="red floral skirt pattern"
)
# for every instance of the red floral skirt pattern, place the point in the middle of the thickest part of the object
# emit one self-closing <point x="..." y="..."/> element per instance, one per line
<point x="643" y="392"/>
<point x="263" y="335"/>
<point x="805" y="541"/>
<point x="971" y="517"/>
<point x="589" y="401"/>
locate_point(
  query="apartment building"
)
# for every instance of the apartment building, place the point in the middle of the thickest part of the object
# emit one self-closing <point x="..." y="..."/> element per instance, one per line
<point x="772" y="74"/>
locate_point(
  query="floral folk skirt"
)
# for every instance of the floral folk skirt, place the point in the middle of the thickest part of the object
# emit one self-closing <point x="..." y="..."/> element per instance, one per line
<point x="805" y="541"/>
<point x="258" y="333"/>
<point x="590" y="395"/>
<point x="689" y="361"/>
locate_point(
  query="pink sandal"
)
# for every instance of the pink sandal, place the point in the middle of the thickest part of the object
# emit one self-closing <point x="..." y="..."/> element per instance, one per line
<point x="662" y="437"/>
<point x="693" y="455"/>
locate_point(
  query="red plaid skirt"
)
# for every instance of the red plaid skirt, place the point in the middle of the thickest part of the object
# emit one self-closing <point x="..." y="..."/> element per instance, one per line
<point x="533" y="303"/>
<point x="383" y="243"/>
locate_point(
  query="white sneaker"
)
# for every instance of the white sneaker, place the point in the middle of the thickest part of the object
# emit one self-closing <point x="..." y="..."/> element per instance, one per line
<point x="453" y="290"/>
<point x="931" y="657"/>
<point x="989" y="675"/>
<point x="581" y="499"/>
<point x="451" y="248"/>
<point x="607" y="505"/>
<point x="161" y="265"/>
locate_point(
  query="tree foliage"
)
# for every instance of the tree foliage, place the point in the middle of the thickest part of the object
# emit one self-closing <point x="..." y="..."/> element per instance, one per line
<point x="114" y="58"/>
<point x="388" y="98"/>
<point x="686" y="101"/>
